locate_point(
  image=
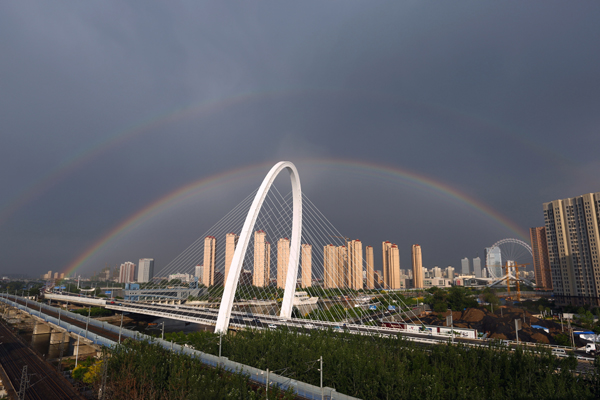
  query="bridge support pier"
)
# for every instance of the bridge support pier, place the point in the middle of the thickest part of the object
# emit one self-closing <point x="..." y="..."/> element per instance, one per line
<point x="41" y="328"/>
<point x="58" y="336"/>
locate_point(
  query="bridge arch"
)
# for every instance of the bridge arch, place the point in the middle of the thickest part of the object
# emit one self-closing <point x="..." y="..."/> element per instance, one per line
<point x="235" y="269"/>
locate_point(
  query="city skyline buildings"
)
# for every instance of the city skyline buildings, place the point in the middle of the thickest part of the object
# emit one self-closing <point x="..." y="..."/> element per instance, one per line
<point x="417" y="262"/>
<point x="354" y="276"/>
<point x="477" y="267"/>
<point x="127" y="272"/>
<point x="231" y="240"/>
<point x="283" y="259"/>
<point x="370" y="265"/>
<point x="465" y="268"/>
<point x="210" y="249"/>
<point x="262" y="260"/>
<point x="145" y="269"/>
<point x="541" y="262"/>
<point x="306" y="259"/>
<point x="391" y="265"/>
<point x="494" y="262"/>
<point x="573" y="241"/>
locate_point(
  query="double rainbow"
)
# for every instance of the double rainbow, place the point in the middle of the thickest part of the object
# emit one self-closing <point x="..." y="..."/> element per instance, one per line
<point x="391" y="173"/>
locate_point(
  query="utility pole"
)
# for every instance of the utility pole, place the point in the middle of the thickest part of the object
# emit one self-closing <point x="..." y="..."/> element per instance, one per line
<point x="562" y="327"/>
<point x="321" y="370"/>
<point x="104" y="377"/>
<point x="220" y="342"/>
<point x="450" y="323"/>
<point x="571" y="333"/>
<point x="88" y="321"/>
<point x="121" y="327"/>
<point x="267" y="383"/>
<point x="163" y="328"/>
<point x="60" y="357"/>
<point x="24" y="384"/>
<point x="77" y="356"/>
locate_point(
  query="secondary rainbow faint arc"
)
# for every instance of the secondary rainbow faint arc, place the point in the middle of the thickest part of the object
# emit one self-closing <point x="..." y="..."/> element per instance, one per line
<point x="50" y="178"/>
<point x="237" y="174"/>
<point x="40" y="185"/>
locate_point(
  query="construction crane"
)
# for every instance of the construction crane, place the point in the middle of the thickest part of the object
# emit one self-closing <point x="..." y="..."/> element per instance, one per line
<point x="517" y="280"/>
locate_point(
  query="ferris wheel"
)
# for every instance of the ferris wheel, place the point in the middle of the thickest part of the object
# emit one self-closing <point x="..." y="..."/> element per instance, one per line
<point x="508" y="251"/>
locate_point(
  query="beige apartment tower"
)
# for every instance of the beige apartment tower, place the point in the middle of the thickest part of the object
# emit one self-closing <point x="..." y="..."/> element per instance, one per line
<point x="210" y="251"/>
<point x="335" y="266"/>
<point x="329" y="266"/>
<point x="306" y="265"/>
<point x="541" y="265"/>
<point x="573" y="240"/>
<point x="417" y="264"/>
<point x="355" y="268"/>
<point x="391" y="266"/>
<point x="283" y="259"/>
<point x="231" y="240"/>
<point x="262" y="260"/>
<point x="370" y="267"/>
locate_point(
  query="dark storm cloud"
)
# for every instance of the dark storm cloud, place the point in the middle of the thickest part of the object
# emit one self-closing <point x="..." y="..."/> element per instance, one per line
<point x="498" y="100"/>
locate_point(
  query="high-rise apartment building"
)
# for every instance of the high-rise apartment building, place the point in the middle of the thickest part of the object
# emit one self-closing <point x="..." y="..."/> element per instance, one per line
<point x="231" y="240"/>
<point x="210" y="251"/>
<point x="541" y="263"/>
<point x="378" y="277"/>
<point x="437" y="272"/>
<point x="370" y="281"/>
<point x="450" y="272"/>
<point x="355" y="268"/>
<point x="573" y="240"/>
<point x="477" y="267"/>
<point x="145" y="270"/>
<point x="283" y="259"/>
<point x="417" y="260"/>
<point x="306" y="265"/>
<point x="127" y="272"/>
<point x="465" y="268"/>
<point x="198" y="272"/>
<point x="330" y="261"/>
<point x="335" y="265"/>
<point x="391" y="265"/>
<point x="262" y="260"/>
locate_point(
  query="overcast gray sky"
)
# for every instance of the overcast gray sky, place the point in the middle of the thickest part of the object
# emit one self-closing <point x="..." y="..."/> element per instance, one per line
<point x="108" y="106"/>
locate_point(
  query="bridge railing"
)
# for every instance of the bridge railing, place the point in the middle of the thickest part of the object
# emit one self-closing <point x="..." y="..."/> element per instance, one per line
<point x="94" y="338"/>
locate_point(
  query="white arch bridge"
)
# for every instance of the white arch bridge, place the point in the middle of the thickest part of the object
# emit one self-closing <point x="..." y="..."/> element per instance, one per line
<point x="240" y="286"/>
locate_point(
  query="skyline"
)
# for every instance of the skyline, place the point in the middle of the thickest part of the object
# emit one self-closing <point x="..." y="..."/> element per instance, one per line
<point x="128" y="133"/>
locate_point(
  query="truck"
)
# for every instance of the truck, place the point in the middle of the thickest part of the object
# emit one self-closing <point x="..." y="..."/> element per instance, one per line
<point x="590" y="348"/>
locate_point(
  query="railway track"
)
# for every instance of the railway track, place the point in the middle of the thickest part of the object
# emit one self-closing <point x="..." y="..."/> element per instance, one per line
<point x="94" y="329"/>
<point x="45" y="382"/>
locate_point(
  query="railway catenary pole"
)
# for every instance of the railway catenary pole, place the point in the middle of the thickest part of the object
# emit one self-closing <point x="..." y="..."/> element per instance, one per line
<point x="88" y="321"/>
<point x="121" y="327"/>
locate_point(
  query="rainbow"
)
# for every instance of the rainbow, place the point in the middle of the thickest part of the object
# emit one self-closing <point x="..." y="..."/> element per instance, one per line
<point x="95" y="150"/>
<point x="392" y="173"/>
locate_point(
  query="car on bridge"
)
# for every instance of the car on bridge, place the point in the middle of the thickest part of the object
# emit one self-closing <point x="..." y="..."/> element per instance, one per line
<point x="273" y="326"/>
